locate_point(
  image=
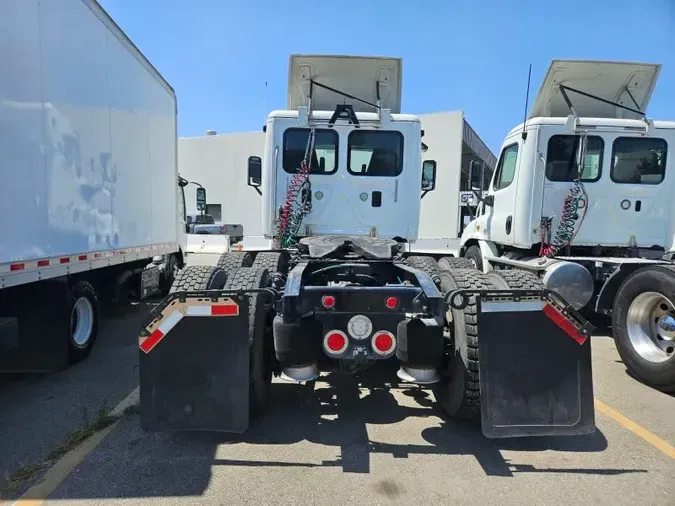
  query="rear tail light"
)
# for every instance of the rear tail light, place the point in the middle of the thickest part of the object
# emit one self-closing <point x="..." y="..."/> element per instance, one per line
<point x="328" y="301"/>
<point x="383" y="342"/>
<point x="335" y="342"/>
<point x="391" y="302"/>
<point x="222" y="229"/>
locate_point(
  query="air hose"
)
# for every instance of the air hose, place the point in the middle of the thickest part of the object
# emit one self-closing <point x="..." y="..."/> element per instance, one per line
<point x="292" y="212"/>
<point x="570" y="221"/>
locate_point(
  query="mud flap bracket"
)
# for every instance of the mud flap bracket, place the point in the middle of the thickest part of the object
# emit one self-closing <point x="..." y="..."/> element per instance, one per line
<point x="534" y="355"/>
<point x="194" y="363"/>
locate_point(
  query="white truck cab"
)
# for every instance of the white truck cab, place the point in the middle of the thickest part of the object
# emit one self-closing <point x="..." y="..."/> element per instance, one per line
<point x="365" y="172"/>
<point x="582" y="195"/>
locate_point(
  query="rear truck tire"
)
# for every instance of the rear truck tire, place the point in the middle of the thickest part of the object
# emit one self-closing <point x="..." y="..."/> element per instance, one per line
<point x="171" y="269"/>
<point x="423" y="263"/>
<point x="643" y="325"/>
<point x="449" y="263"/>
<point x="261" y="340"/>
<point x="274" y="261"/>
<point x="474" y="255"/>
<point x="199" y="277"/>
<point x="458" y="391"/>
<point x="84" y="319"/>
<point x="515" y="279"/>
<point x="233" y="259"/>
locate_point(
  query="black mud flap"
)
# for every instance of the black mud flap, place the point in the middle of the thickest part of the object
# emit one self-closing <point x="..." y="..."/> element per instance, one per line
<point x="534" y="355"/>
<point x="194" y="363"/>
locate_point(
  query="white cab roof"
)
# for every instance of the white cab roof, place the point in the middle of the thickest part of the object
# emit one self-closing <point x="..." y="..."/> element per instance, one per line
<point x="354" y="75"/>
<point x="605" y="79"/>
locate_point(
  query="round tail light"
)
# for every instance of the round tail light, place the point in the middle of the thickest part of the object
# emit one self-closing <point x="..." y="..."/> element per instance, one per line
<point x="328" y="301"/>
<point x="383" y="342"/>
<point x="391" y="302"/>
<point x="335" y="342"/>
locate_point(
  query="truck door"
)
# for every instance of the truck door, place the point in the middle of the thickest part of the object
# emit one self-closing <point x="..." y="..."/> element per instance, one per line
<point x="625" y="198"/>
<point x="359" y="194"/>
<point x="499" y="217"/>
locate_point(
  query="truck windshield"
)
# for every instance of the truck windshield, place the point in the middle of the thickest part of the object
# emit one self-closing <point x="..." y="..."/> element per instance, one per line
<point x="375" y="153"/>
<point x="324" y="157"/>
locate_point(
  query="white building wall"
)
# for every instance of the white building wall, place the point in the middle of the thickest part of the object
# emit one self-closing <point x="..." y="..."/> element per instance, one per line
<point x="219" y="163"/>
<point x="439" y="213"/>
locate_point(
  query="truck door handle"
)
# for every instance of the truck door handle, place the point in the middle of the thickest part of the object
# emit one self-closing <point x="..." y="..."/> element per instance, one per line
<point x="376" y="200"/>
<point x="638" y="206"/>
<point x="508" y="225"/>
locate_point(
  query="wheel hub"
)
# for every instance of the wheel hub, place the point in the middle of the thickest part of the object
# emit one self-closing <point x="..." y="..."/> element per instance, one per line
<point x="651" y="326"/>
<point x="666" y="327"/>
<point x="82" y="321"/>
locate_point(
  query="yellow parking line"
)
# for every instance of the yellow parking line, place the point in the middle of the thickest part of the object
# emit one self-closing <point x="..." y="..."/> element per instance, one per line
<point x="640" y="431"/>
<point x="38" y="493"/>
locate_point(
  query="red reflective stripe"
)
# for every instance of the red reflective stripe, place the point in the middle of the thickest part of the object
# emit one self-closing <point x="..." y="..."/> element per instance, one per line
<point x="564" y="324"/>
<point x="224" y="309"/>
<point x="42" y="263"/>
<point x="150" y="341"/>
<point x="82" y="257"/>
<point x="64" y="260"/>
<point x="17" y="267"/>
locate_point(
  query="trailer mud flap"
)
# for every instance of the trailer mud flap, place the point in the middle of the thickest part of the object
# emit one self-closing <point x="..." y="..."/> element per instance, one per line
<point x="534" y="355"/>
<point x="194" y="363"/>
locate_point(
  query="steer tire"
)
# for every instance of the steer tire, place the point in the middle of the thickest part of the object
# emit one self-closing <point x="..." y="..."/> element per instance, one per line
<point x="199" y="277"/>
<point x="634" y="321"/>
<point x="458" y="391"/>
<point x="260" y="335"/>
<point x="274" y="261"/>
<point x="449" y="263"/>
<point x="233" y="259"/>
<point x="423" y="263"/>
<point x="474" y="255"/>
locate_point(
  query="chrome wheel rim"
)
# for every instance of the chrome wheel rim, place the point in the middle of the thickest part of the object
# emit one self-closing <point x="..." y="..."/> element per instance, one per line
<point x="82" y="321"/>
<point x="650" y="324"/>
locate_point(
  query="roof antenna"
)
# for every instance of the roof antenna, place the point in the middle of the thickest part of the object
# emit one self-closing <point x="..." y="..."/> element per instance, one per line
<point x="527" y="97"/>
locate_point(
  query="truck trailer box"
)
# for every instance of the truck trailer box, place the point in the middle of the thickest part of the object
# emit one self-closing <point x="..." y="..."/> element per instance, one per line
<point x="90" y="191"/>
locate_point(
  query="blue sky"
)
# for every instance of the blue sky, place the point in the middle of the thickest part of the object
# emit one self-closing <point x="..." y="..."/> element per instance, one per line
<point x="469" y="54"/>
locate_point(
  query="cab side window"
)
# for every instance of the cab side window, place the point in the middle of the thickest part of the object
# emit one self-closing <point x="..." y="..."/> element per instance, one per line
<point x="506" y="168"/>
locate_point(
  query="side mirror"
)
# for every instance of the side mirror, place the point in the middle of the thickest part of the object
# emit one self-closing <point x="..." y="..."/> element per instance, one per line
<point x="487" y="200"/>
<point x="254" y="171"/>
<point x="428" y="175"/>
<point x="201" y="199"/>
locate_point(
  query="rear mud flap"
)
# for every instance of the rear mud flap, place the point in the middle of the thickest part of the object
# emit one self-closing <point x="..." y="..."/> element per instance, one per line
<point x="534" y="355"/>
<point x="194" y="363"/>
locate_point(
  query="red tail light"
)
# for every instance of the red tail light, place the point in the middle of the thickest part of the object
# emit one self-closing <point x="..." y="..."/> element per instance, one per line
<point x="383" y="342"/>
<point x="335" y="342"/>
<point x="391" y="302"/>
<point x="328" y="301"/>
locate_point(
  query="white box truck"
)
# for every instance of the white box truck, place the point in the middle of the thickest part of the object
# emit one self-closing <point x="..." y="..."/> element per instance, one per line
<point x="91" y="201"/>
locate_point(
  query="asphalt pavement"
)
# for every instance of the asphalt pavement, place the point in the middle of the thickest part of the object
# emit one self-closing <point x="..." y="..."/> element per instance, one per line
<point x="350" y="439"/>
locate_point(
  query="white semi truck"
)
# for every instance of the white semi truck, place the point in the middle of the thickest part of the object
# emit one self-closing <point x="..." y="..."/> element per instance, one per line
<point x="340" y="182"/>
<point x="582" y="197"/>
<point x="91" y="201"/>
